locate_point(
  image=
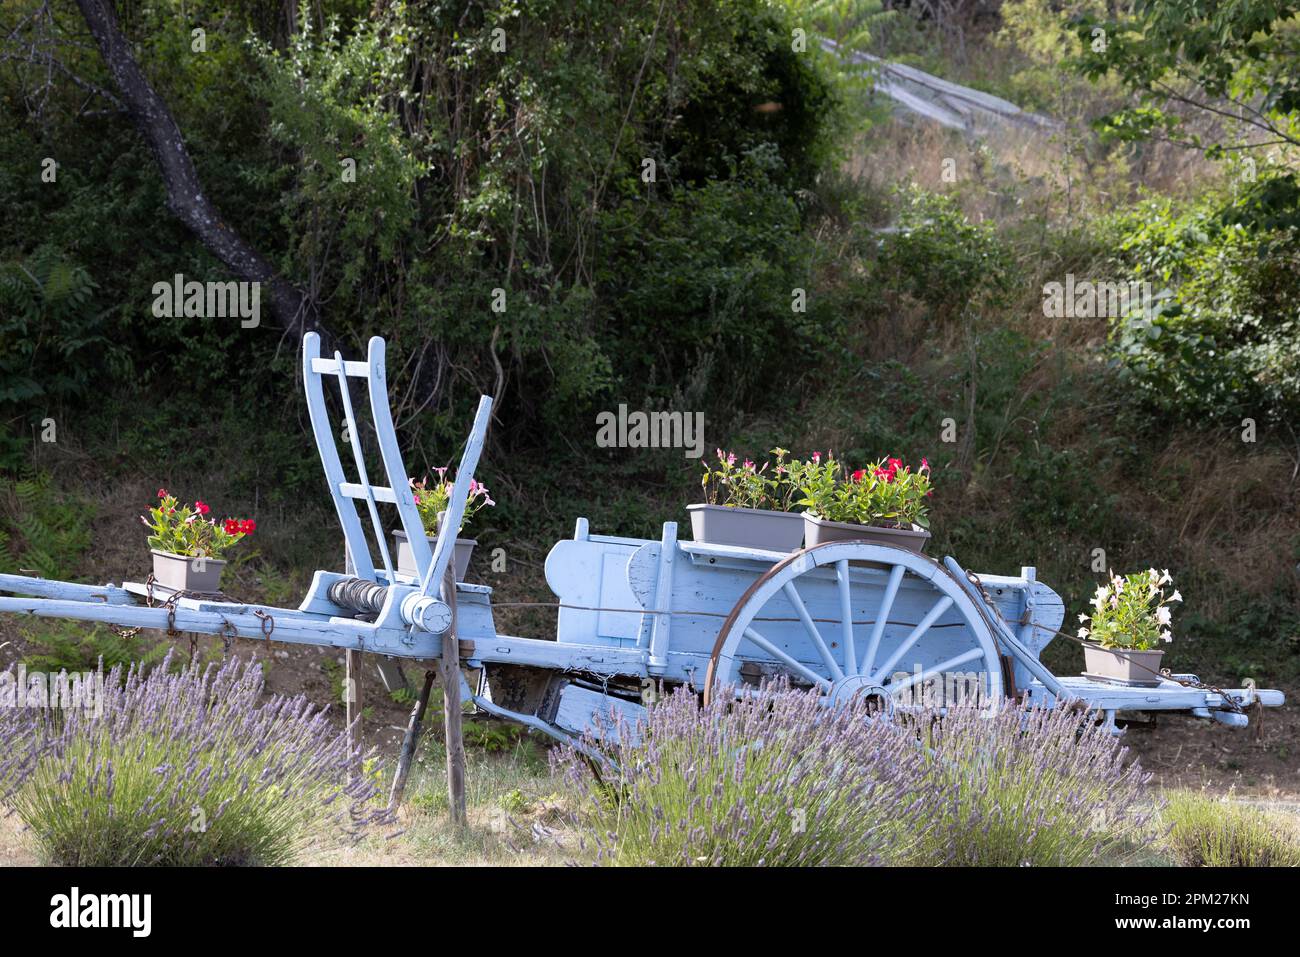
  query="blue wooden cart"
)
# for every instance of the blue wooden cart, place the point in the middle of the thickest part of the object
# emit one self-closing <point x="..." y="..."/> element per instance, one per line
<point x="637" y="616"/>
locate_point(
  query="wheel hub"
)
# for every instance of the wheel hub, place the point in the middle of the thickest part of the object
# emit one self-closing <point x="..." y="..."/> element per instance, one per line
<point x="846" y="689"/>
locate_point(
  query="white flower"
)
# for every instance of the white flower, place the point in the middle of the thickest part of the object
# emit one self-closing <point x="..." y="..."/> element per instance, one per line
<point x="1162" y="615"/>
<point x="1166" y="636"/>
<point x="1083" y="617"/>
<point x="1153" y="574"/>
<point x="1164" y="577"/>
<point x="1083" y="632"/>
<point x="1175" y="596"/>
<point x="1099" y="602"/>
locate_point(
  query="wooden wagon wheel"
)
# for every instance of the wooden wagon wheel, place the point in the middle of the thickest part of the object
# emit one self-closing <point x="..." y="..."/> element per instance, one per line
<point x="851" y="646"/>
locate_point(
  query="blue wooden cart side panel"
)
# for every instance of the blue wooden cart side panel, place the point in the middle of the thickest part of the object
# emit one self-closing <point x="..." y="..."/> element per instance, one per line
<point x="707" y="582"/>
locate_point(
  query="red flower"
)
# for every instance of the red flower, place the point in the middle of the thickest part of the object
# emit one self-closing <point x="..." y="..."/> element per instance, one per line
<point x="859" y="475"/>
<point x="201" y="507"/>
<point x="895" y="464"/>
<point x="925" y="464"/>
<point x="162" y="493"/>
<point x="231" y="526"/>
<point x="247" y="526"/>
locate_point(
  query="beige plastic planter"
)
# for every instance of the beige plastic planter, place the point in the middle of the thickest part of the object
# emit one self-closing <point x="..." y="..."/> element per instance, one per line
<point x="746" y="527"/>
<point x="817" y="530"/>
<point x="1123" y="665"/>
<point x="406" y="557"/>
<point x="182" y="573"/>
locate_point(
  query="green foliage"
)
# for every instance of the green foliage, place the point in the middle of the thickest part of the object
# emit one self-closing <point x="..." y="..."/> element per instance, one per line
<point x="1178" y="53"/>
<point x="54" y="645"/>
<point x="43" y="529"/>
<point x="1223" y="338"/>
<point x="51" y="339"/>
<point x="942" y="259"/>
<point x="1131" y="611"/>
<point x="1215" y="833"/>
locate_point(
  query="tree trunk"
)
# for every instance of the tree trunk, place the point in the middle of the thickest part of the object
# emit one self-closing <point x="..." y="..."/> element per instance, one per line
<point x="185" y="198"/>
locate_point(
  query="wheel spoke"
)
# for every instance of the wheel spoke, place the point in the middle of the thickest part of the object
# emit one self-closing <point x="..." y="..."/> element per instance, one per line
<point x="810" y="626"/>
<point x="943" y="666"/>
<point x="846" y="617"/>
<point x="942" y="605"/>
<point x="882" y="617"/>
<point x="795" y="666"/>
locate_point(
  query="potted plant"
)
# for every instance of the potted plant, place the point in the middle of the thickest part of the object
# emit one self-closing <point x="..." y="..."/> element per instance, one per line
<point x="187" y="545"/>
<point x="1130" y="620"/>
<point x="885" y="503"/>
<point x="747" y="505"/>
<point x="432" y="501"/>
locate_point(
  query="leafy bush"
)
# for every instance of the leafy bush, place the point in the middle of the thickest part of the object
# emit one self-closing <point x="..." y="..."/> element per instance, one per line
<point x="1223" y="338"/>
<point x="1208" y="833"/>
<point x="1037" y="786"/>
<point x="940" y="258"/>
<point x="182" y="769"/>
<point x="771" y="779"/>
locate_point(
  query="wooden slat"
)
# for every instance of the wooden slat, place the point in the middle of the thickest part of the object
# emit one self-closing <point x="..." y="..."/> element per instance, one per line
<point x="382" y="493"/>
<point x="358" y="370"/>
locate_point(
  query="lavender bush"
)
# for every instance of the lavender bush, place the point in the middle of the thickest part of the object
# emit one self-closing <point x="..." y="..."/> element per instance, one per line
<point x="1040" y="787"/>
<point x="772" y="779"/>
<point x="778" y="779"/>
<point x="186" y="768"/>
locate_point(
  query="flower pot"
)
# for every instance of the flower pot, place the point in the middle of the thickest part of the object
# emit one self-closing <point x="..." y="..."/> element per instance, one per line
<point x="746" y="527"/>
<point x="183" y="573"/>
<point x="1122" y="665"/>
<point x="406" y="557"/>
<point x="817" y="531"/>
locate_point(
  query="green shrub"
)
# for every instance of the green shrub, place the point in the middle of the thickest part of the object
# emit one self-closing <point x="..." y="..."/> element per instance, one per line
<point x="1223" y="338"/>
<point x="1207" y="833"/>
<point x="940" y="258"/>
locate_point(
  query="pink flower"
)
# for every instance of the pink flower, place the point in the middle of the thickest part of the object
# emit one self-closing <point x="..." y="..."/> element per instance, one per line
<point x="162" y="493"/>
<point x="925" y="464"/>
<point x="749" y="465"/>
<point x="817" y="458"/>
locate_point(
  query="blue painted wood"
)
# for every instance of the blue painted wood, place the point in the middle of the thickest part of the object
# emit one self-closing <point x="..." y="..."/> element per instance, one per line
<point x="399" y="484"/>
<point x="313" y="367"/>
<point x="446" y="541"/>
<point x="368" y="492"/>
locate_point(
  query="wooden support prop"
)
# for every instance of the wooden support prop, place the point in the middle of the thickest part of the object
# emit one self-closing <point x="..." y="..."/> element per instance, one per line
<point x="449" y="666"/>
<point x="409" y="742"/>
<point x="352" y="693"/>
